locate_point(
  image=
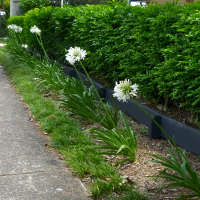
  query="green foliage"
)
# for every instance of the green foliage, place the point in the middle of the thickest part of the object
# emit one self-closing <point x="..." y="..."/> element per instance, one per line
<point x="27" y="5"/>
<point x="117" y="141"/>
<point x="84" y="2"/>
<point x="130" y="194"/>
<point x="156" y="46"/>
<point x="47" y="25"/>
<point x="179" y="171"/>
<point x="103" y="188"/>
<point x="85" y="159"/>
<point x="18" y="20"/>
<point x="80" y="100"/>
<point x="83" y="102"/>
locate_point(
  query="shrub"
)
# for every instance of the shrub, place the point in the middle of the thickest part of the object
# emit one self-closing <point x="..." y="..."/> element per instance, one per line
<point x="18" y="20"/>
<point x="27" y="5"/>
<point x="84" y="2"/>
<point x="156" y="46"/>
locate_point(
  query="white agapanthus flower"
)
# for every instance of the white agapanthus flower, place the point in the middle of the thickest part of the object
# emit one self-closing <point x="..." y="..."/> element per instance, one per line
<point x="18" y="29"/>
<point x="35" y="29"/>
<point x="75" y="54"/>
<point x="10" y="26"/>
<point x="124" y="90"/>
<point x="25" y="46"/>
<point x="14" y="27"/>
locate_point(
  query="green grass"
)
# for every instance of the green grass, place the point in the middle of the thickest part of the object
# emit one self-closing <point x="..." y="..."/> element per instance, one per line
<point x="130" y="194"/>
<point x="66" y="135"/>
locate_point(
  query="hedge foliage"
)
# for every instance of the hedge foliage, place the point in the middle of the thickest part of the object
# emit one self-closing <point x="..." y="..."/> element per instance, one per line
<point x="158" y="47"/>
<point x="27" y="5"/>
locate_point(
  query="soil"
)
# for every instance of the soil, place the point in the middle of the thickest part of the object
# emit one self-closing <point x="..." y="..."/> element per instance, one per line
<point x="140" y="171"/>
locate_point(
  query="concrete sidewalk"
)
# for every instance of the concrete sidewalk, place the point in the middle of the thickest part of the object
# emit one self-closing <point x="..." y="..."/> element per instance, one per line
<point x="28" y="170"/>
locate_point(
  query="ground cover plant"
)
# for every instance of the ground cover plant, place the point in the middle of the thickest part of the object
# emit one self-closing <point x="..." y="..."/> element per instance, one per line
<point x="155" y="46"/>
<point x="123" y="88"/>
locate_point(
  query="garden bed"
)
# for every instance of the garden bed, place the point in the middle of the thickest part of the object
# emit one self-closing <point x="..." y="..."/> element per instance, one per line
<point x="140" y="172"/>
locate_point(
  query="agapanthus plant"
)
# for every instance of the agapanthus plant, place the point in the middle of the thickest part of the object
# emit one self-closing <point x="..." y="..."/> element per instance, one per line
<point x="183" y="175"/>
<point x="124" y="90"/>
<point x="14" y="33"/>
<point x="14" y="27"/>
<point x="51" y="74"/>
<point x="35" y="30"/>
<point x="75" y="54"/>
<point x="111" y="134"/>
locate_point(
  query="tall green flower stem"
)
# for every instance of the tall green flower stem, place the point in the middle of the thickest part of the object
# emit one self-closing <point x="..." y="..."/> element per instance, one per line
<point x="14" y="37"/>
<point x="39" y="39"/>
<point x="115" y="140"/>
<point x="79" y="76"/>
<point x="97" y="93"/>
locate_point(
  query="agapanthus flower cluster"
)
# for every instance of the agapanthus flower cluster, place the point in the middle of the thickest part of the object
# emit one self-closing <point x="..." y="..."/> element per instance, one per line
<point x="35" y="29"/>
<point x="124" y="90"/>
<point x="14" y="27"/>
<point x="75" y="54"/>
<point x="25" y="46"/>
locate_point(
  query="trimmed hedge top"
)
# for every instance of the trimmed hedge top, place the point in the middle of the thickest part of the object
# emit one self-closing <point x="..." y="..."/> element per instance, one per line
<point x="157" y="47"/>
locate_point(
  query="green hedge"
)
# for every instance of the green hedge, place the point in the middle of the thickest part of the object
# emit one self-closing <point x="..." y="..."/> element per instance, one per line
<point x="27" y="5"/>
<point x="18" y="20"/>
<point x="155" y="46"/>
